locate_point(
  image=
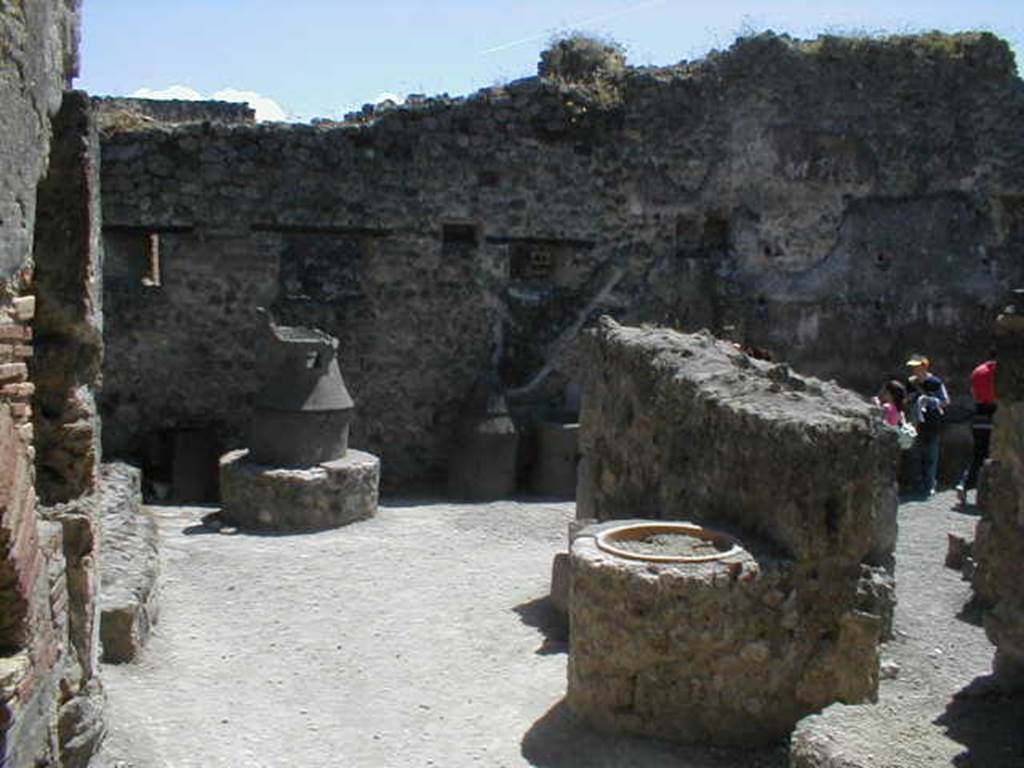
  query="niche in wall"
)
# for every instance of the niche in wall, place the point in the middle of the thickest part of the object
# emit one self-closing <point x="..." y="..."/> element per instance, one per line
<point x="321" y="267"/>
<point x="702" y="236"/>
<point x="549" y="282"/>
<point x="542" y="263"/>
<point x="134" y="257"/>
<point x="131" y="258"/>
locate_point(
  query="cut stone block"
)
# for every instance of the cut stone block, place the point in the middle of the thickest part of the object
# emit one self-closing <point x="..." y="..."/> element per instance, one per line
<point x="560" y="582"/>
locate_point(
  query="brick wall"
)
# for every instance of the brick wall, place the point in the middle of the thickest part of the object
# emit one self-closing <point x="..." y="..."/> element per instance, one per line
<point x="42" y="602"/>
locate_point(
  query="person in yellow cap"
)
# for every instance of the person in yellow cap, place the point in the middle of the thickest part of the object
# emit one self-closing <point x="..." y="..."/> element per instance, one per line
<point x="927" y="403"/>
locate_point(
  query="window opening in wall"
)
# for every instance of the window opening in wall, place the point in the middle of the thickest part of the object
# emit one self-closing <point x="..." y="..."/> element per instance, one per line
<point x="488" y="178"/>
<point x="459" y="234"/>
<point x="152" y="276"/>
<point x="132" y="255"/>
<point x="322" y="268"/>
<point x="702" y="237"/>
<point x="531" y="262"/>
<point x="715" y="236"/>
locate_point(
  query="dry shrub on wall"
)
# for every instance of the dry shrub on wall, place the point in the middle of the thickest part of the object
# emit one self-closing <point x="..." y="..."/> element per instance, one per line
<point x="124" y="120"/>
<point x="579" y="58"/>
<point x="590" y="68"/>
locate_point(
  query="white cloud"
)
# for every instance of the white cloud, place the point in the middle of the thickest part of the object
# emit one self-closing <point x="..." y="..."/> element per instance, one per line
<point x="388" y="96"/>
<point x="182" y="92"/>
<point x="266" y="108"/>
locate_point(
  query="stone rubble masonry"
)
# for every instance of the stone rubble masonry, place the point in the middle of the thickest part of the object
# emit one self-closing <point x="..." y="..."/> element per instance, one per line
<point x="326" y="495"/>
<point x="793" y="196"/>
<point x="117" y="110"/>
<point x="999" y="539"/>
<point x="69" y="322"/>
<point x="678" y="426"/>
<point x="130" y="565"/>
<point x="686" y="427"/>
<point x="50" y="697"/>
<point x="40" y="38"/>
<point x="725" y="652"/>
<point x="73" y="560"/>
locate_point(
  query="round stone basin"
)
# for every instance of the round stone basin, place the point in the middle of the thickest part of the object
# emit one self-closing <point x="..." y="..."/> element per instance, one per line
<point x="667" y="542"/>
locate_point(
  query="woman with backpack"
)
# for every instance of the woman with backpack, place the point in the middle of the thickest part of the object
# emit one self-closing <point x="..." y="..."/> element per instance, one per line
<point x="927" y="405"/>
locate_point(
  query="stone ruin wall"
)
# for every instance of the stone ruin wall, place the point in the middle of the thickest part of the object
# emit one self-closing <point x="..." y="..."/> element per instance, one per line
<point x="839" y="203"/>
<point x="686" y="427"/>
<point x="999" y="539"/>
<point x="675" y="425"/>
<point x="118" y="110"/>
<point x="50" y="338"/>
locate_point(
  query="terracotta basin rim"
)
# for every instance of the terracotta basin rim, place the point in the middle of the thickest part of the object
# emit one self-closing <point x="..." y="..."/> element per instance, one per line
<point x="607" y="539"/>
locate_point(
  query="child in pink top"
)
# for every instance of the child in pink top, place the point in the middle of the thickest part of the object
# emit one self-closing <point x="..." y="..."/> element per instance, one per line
<point x="891" y="398"/>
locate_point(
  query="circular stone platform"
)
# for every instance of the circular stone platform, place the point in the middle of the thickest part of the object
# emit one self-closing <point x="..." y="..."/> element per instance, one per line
<point x="326" y="495"/>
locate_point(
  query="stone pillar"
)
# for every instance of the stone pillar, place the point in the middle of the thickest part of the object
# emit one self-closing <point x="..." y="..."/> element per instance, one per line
<point x="68" y="327"/>
<point x="999" y="539"/>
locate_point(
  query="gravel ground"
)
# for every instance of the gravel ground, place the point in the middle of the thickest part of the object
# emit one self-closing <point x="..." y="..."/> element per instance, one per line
<point x="942" y="709"/>
<point x="422" y="637"/>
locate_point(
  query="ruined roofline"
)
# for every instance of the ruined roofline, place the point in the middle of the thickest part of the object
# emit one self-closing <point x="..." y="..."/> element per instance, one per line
<point x="973" y="47"/>
<point x="117" y="112"/>
<point x="983" y="55"/>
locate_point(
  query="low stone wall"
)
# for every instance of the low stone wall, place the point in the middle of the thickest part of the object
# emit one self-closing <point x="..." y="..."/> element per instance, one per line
<point x="686" y="427"/>
<point x="999" y="538"/>
<point x="679" y="426"/>
<point x="131" y="565"/>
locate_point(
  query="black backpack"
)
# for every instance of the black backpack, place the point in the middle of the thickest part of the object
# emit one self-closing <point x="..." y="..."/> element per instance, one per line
<point x="931" y="417"/>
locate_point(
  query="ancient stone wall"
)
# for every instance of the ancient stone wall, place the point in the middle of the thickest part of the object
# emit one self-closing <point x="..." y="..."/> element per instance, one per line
<point x="802" y="472"/>
<point x="999" y="541"/>
<point x="838" y="202"/>
<point x="49" y="694"/>
<point x="118" y="110"/>
<point x="68" y="328"/>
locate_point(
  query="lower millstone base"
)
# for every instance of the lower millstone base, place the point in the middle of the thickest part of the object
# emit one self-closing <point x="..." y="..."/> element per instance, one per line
<point x="326" y="495"/>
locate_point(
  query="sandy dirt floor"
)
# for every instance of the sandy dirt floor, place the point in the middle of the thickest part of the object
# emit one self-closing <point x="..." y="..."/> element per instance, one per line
<point x="423" y="637"/>
<point x="943" y="708"/>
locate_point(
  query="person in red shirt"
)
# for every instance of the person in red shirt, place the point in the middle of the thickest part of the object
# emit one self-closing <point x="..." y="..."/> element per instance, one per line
<point x="983" y="390"/>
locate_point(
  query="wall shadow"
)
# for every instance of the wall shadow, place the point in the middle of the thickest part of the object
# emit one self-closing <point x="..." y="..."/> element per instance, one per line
<point x="989" y="722"/>
<point x="560" y="739"/>
<point x="967" y="509"/>
<point x="212" y="524"/>
<point x="972" y="612"/>
<point x="553" y="625"/>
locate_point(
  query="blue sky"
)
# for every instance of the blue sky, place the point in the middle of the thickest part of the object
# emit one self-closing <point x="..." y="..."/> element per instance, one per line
<point x="309" y="58"/>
